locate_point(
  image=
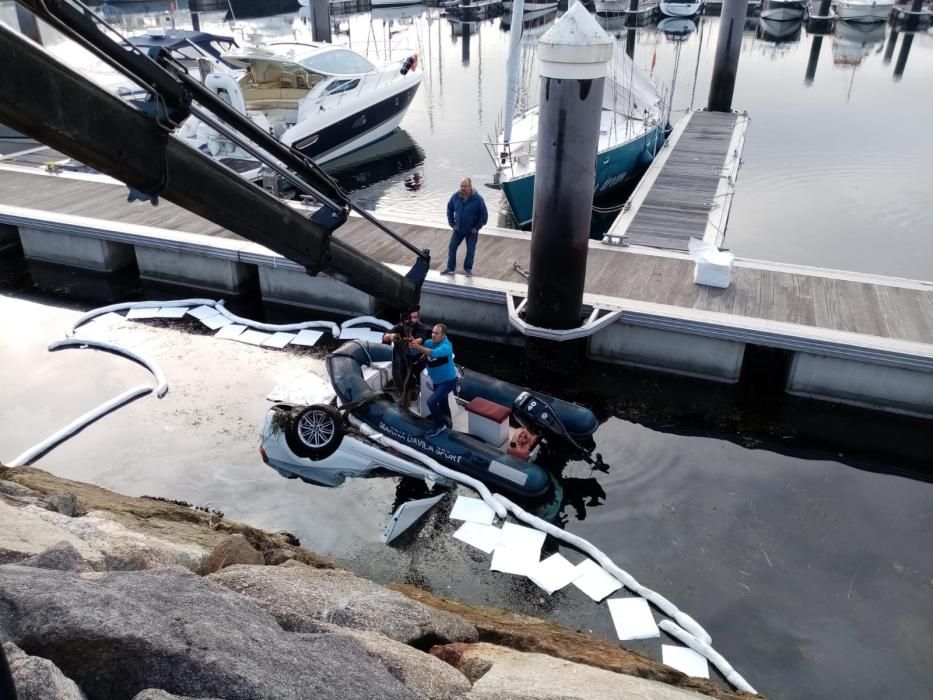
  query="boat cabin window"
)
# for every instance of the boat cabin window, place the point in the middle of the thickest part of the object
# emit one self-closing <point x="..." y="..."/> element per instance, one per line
<point x="341" y="86"/>
<point x="338" y="62"/>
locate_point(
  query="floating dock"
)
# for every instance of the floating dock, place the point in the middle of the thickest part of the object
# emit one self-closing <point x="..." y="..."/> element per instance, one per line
<point x="860" y="339"/>
<point x="687" y="190"/>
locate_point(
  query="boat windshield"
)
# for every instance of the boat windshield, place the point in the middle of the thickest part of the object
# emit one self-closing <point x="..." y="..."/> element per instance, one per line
<point x="338" y="62"/>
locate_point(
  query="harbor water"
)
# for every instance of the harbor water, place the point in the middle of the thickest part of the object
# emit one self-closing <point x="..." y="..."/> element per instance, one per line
<point x="797" y="534"/>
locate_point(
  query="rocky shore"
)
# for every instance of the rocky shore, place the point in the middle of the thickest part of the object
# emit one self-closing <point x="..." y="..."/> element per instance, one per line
<point x="109" y="596"/>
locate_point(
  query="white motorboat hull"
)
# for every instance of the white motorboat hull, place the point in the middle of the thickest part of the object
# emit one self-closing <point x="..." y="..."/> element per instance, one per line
<point x="680" y="9"/>
<point x="863" y="11"/>
<point x="783" y="10"/>
<point x="614" y="7"/>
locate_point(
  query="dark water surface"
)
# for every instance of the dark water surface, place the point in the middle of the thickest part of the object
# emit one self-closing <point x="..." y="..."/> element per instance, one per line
<point x="796" y="547"/>
<point x="798" y="535"/>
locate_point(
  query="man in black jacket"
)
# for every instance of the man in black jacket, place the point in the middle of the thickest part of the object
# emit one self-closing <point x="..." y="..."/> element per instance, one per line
<point x="407" y="363"/>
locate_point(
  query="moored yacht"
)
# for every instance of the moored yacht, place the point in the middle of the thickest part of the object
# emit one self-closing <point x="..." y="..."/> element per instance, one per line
<point x="323" y="100"/>
<point x="783" y="10"/>
<point x="631" y="131"/>
<point x="864" y="10"/>
<point x="680" y="8"/>
<point x="616" y="7"/>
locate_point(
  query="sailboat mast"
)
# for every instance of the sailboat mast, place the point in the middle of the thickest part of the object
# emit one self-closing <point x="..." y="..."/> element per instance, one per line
<point x="512" y="67"/>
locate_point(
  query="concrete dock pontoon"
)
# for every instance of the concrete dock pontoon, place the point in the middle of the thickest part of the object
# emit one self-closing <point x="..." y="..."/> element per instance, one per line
<point x="860" y="339"/>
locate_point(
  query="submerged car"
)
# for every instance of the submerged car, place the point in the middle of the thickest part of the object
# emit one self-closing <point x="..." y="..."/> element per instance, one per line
<point x="497" y="429"/>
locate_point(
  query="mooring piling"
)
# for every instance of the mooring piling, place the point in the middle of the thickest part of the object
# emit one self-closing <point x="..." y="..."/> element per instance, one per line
<point x="574" y="57"/>
<point x="726" y="66"/>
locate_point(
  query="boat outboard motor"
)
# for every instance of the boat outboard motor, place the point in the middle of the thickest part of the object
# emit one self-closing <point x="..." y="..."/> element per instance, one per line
<point x="536" y="415"/>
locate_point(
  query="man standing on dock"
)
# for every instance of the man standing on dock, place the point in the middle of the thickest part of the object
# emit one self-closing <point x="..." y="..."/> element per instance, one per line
<point x="466" y="214"/>
<point x="440" y="355"/>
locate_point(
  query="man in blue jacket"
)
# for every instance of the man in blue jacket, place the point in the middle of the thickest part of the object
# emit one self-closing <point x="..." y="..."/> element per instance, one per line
<point x="466" y="214"/>
<point x="440" y="356"/>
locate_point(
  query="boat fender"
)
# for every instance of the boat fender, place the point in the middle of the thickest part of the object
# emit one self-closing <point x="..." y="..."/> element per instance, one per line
<point x="645" y="158"/>
<point x="316" y="432"/>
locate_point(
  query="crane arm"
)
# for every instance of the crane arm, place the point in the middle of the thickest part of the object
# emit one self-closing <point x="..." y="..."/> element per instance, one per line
<point x="132" y="143"/>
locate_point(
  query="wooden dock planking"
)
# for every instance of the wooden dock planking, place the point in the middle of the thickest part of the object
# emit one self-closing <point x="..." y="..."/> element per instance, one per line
<point x="677" y="200"/>
<point x="819" y="299"/>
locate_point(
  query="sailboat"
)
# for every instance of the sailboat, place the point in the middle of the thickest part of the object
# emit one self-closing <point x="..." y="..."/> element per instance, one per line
<point x="632" y="130"/>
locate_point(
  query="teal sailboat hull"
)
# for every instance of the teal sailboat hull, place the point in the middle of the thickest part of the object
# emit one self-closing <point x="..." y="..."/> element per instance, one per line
<point x="614" y="166"/>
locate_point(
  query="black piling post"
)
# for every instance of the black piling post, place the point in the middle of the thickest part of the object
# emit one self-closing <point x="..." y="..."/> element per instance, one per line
<point x="573" y="56"/>
<point x="630" y="42"/>
<point x="822" y="21"/>
<point x="902" y="56"/>
<point x="892" y="42"/>
<point x="320" y="21"/>
<point x="196" y="21"/>
<point x="465" y="44"/>
<point x="722" y="85"/>
<point x="814" y="59"/>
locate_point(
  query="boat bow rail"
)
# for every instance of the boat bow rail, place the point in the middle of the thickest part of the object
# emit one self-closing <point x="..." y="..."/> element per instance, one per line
<point x="132" y="142"/>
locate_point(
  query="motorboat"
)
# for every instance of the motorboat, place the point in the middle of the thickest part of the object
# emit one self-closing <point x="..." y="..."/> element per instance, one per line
<point x="532" y="6"/>
<point x="677" y="28"/>
<point x="185" y="46"/>
<point x="314" y="444"/>
<point x="536" y="22"/>
<point x="632" y="130"/>
<point x="474" y="11"/>
<point x="775" y="31"/>
<point x="864" y="10"/>
<point x="620" y="7"/>
<point x="783" y="10"/>
<point x="854" y="41"/>
<point x="325" y="101"/>
<point x="681" y="8"/>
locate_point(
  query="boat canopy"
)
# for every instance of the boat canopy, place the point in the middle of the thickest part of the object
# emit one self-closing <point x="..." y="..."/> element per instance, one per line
<point x="179" y="40"/>
<point x="323" y="60"/>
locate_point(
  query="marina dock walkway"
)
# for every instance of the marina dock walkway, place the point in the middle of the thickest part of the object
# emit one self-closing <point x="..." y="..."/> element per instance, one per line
<point x="819" y="313"/>
<point x="687" y="191"/>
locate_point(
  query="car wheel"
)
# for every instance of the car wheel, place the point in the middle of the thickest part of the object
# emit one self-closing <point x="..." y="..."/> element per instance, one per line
<point x="316" y="432"/>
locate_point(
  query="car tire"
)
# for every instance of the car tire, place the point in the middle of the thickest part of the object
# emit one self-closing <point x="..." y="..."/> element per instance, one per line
<point x="316" y="432"/>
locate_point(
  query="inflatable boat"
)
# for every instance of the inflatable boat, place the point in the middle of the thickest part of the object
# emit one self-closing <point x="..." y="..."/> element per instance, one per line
<point x="497" y="441"/>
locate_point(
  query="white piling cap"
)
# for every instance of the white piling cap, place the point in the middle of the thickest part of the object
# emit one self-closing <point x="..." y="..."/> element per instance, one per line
<point x="576" y="47"/>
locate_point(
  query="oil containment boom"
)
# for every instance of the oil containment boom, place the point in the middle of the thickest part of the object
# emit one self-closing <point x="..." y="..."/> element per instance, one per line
<point x="132" y="142"/>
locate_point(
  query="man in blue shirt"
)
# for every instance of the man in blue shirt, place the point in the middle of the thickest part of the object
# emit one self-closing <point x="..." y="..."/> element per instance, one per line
<point x="440" y="356"/>
<point x="466" y="214"/>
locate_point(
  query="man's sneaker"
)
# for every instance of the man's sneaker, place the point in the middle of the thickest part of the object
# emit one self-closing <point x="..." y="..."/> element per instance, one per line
<point x="447" y="272"/>
<point x="434" y="432"/>
<point x="468" y="273"/>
